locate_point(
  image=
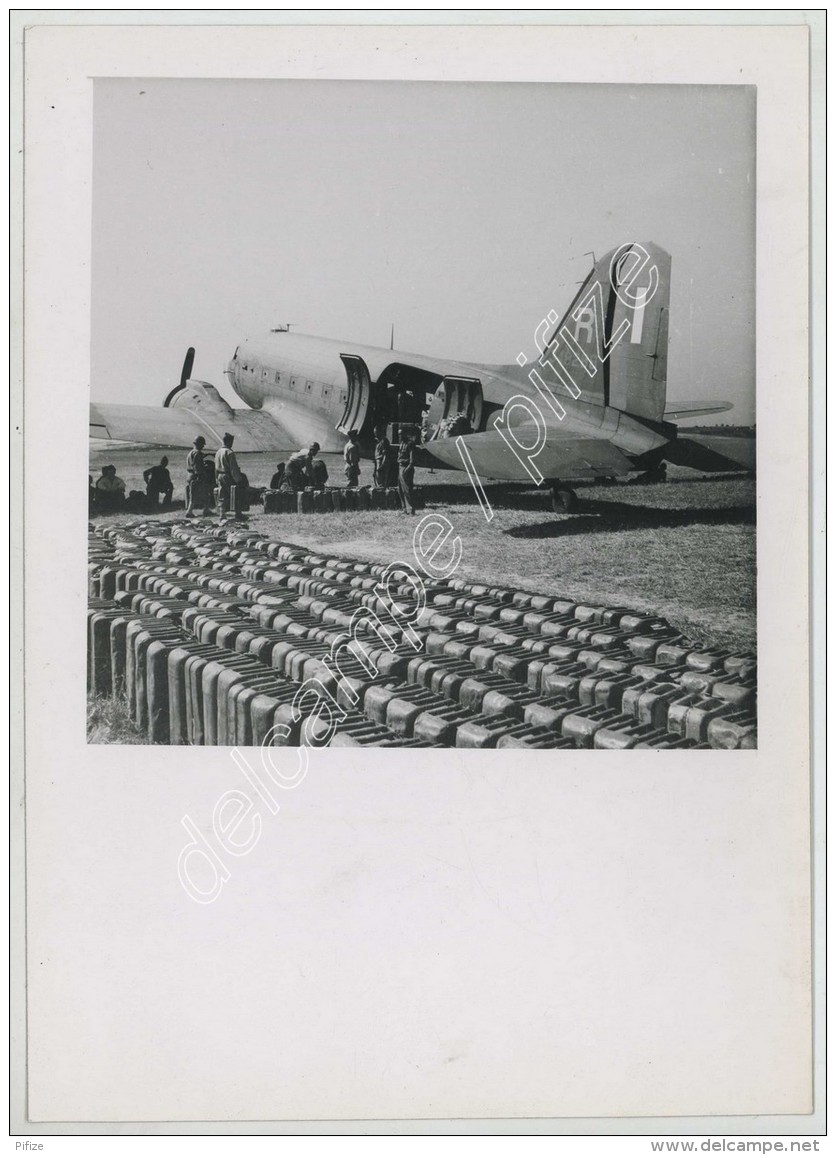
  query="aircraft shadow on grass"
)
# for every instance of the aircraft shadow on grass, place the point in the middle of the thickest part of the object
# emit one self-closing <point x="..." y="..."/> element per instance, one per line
<point x="594" y="516"/>
<point x="510" y="495"/>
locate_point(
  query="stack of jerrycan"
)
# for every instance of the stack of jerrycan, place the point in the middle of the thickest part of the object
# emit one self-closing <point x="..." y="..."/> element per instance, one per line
<point x="278" y="501"/>
<point x="223" y="636"/>
<point x="331" y="500"/>
<point x="239" y="501"/>
<point x="385" y="498"/>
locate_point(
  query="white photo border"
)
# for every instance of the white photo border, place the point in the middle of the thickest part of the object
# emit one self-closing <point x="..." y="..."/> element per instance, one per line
<point x="63" y="50"/>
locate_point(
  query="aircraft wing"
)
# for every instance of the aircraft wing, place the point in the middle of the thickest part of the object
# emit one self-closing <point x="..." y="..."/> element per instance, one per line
<point x="564" y="456"/>
<point x="154" y="425"/>
<point x="712" y="454"/>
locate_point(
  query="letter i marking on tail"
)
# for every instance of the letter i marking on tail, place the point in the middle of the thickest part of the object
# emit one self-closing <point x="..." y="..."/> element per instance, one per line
<point x="638" y="316"/>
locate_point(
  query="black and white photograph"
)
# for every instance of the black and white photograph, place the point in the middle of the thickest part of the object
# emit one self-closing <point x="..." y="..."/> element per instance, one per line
<point x="535" y="529"/>
<point x="418" y="726"/>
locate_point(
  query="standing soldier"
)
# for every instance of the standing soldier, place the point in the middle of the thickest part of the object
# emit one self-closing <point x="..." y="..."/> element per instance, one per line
<point x="382" y="451"/>
<point x="406" y="468"/>
<point x="351" y="453"/>
<point x="227" y="474"/>
<point x="198" y="492"/>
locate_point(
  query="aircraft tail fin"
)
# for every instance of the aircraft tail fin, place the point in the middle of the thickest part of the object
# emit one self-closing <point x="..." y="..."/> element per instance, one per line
<point x="611" y="346"/>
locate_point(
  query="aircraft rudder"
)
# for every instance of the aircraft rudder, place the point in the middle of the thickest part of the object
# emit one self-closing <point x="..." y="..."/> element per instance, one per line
<point x="640" y="279"/>
<point x="610" y="346"/>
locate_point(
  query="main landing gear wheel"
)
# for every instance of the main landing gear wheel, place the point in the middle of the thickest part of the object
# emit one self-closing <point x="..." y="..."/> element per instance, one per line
<point x="563" y="500"/>
<point x="651" y="476"/>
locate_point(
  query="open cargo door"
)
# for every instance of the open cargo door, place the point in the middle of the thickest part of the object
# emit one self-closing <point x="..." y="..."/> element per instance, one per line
<point x="457" y="396"/>
<point x="359" y="394"/>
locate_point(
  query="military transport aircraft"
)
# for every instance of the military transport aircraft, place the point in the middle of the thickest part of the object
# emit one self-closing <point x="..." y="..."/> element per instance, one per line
<point x="591" y="404"/>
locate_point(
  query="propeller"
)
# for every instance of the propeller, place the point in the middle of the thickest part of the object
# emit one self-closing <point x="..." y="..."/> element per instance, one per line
<point x="185" y="374"/>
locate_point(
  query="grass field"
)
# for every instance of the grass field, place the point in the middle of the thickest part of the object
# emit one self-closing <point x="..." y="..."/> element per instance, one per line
<point x="108" y="720"/>
<point x="684" y="548"/>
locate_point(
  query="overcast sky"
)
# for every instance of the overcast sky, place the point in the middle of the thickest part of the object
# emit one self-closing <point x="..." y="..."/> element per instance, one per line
<point x="463" y="213"/>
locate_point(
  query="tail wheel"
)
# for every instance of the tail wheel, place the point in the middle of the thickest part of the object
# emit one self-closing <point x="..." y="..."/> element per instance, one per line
<point x="564" y="500"/>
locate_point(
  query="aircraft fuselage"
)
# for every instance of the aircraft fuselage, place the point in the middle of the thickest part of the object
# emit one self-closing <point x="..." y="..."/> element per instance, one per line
<point x="592" y="402"/>
<point x="305" y="384"/>
<point x="310" y="386"/>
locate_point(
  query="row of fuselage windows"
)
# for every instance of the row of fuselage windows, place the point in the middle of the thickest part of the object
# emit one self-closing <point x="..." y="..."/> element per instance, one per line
<point x="294" y="383"/>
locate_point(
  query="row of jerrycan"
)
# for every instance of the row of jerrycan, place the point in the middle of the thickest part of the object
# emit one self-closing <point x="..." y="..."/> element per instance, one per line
<point x="142" y="650"/>
<point x="331" y="500"/>
<point x="689" y="694"/>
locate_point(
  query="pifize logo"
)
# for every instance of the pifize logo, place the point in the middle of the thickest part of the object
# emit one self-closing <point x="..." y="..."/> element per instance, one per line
<point x="204" y="865"/>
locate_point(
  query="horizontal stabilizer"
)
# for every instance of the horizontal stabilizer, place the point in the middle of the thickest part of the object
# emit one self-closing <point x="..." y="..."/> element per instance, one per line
<point x="696" y="409"/>
<point x="712" y="454"/>
<point x="154" y="425"/>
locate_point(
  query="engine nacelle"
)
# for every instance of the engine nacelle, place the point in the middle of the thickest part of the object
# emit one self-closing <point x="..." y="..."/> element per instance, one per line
<point x="202" y="397"/>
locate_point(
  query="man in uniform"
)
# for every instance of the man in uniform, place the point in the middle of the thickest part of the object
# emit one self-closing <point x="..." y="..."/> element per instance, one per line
<point x="198" y="486"/>
<point x="158" y="481"/>
<point x="305" y="459"/>
<point x="351" y="453"/>
<point x="293" y="478"/>
<point x="227" y="474"/>
<point x="382" y="454"/>
<point x="110" y="490"/>
<point x="406" y="468"/>
<point x="319" y="474"/>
